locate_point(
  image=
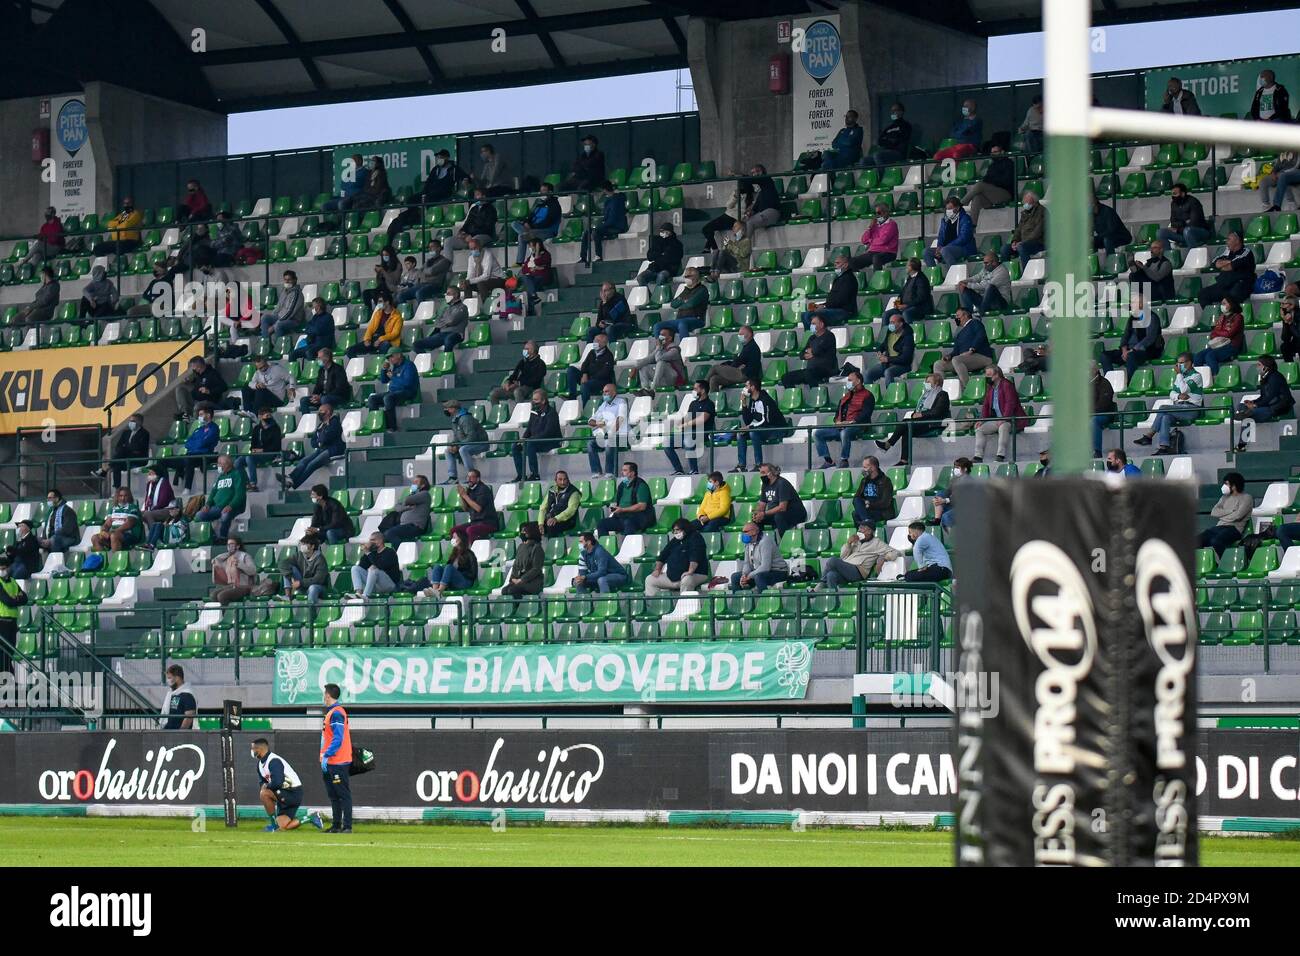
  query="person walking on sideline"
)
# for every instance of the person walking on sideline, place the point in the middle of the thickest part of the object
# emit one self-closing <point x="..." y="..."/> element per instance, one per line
<point x="336" y="760"/>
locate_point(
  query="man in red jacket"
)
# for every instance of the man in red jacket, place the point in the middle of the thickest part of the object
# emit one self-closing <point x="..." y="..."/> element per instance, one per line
<point x="1002" y="413"/>
<point x="49" y="239"/>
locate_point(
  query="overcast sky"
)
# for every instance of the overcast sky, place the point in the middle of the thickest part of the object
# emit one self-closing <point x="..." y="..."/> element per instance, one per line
<point x="1010" y="58"/>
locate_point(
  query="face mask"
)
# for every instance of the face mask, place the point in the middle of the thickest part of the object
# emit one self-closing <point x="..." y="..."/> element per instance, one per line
<point x="625" y="480"/>
<point x="664" y="235"/>
<point x="128" y="208"/>
<point x="304" y="549"/>
<point x="607" y="399"/>
<point x="1226" y="488"/>
<point x="526" y="355"/>
<point x="415" y="489"/>
<point x="1181" y="367"/>
<point x="679" y="536"/>
<point x="965" y="111"/>
<point x="1028" y="206"/>
<point x="894" y="327"/>
<point x="132" y="426"/>
<point x="588" y="149"/>
<point x="958" y="472"/>
<point x="839" y="270"/>
<point x="315" y="500"/>
<point x="663" y="343"/>
<point x="880" y="219"/>
<point x="476" y="253"/>
<point x="951" y="215"/>
<point x="713" y="486"/>
<point x="894" y="116"/>
<point x="928" y="387"/>
<point x="862" y="536"/>
<point x="51" y="502"/>
<point x="4" y="573"/>
<point x="441" y="161"/>
<point x="1262" y="372"/>
<point x="1112" y="466"/>
<point x="451" y="299"/>
<point x="746" y="538"/>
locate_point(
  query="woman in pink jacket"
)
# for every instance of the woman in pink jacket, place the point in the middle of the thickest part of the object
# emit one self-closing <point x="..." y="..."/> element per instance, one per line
<point x="880" y="240"/>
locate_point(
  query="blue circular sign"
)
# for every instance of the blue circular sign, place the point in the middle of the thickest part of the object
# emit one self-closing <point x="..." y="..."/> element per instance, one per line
<point x="821" y="50"/>
<point x="71" y="126"/>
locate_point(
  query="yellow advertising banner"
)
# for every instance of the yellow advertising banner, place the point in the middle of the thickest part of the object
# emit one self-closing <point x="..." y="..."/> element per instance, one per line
<point x="63" y="387"/>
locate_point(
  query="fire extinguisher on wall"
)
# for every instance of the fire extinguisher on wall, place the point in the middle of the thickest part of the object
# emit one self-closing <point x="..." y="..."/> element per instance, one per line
<point x="778" y="73"/>
<point x="40" y="144"/>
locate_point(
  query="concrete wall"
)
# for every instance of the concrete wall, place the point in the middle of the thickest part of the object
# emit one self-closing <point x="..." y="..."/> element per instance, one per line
<point x="125" y="127"/>
<point x="742" y="123"/>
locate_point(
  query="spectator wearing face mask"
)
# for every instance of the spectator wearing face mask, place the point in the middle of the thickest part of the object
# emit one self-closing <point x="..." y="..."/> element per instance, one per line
<point x="157" y="500"/>
<point x="542" y="222"/>
<point x="541" y="434"/>
<point x="879" y="241"/>
<point x="228" y="498"/>
<point x="527" y="574"/>
<point x="559" y="512"/>
<point x="327" y="440"/>
<point x="683" y="562"/>
<point x="24" y="553"/>
<point x="1001" y="414"/>
<point x="536" y="272"/>
<point x="932" y="561"/>
<point x="468" y="439"/>
<point x="996" y="186"/>
<point x="841" y="303"/>
<point x="305" y="570"/>
<point x="941" y="500"/>
<point x="613" y="316"/>
<point x="431" y="278"/>
<point x="925" y="421"/>
<point x="410" y="518"/>
<point x="388" y="277"/>
<point x="482" y="271"/>
<point x="820" y="357"/>
<point x="399" y="374"/>
<point x="383" y="332"/>
<point x="762" y="566"/>
<point x="1233" y="514"/>
<point x="873" y="500"/>
<point x="779" y="506"/>
<point x="613" y="223"/>
<point x="662" y="368"/>
<point x="377" y="570"/>
<point x="122" y="529"/>
<point x="861" y="556"/>
<point x="588" y="169"/>
<point x="737" y="208"/>
<point x="761" y="423"/>
<point x="955" y="241"/>
<point x="968" y="131"/>
<point x="747" y="364"/>
<point x="290" y="309"/>
<point x="265" y="446"/>
<point x="732" y="250"/>
<point x="715" y="511"/>
<point x="1117" y="463"/>
<point x="480" y="223"/>
<point x="199" y="446"/>
<point x="319" y="333"/>
<point x="1031" y="128"/>
<point x="59" y="530"/>
<point x="852" y="416"/>
<point x="493" y="174"/>
<point x="690" y="429"/>
<point x="1271" y="102"/>
<point x="131" y="450"/>
<point x="99" y="297"/>
<point x="1141" y="342"/>
<point x="633" y="508"/>
<point x="329" y="519"/>
<point x="478" y="502"/>
<point x="1289" y="346"/>
<point x="594" y="372"/>
<point x="971" y="351"/>
<point x="123" y="231"/>
<point x="896" y="350"/>
<point x="458" y="573"/>
<point x="439" y="187"/>
<point x="1227" y="337"/>
<point x="1108" y="231"/>
<point x="49" y="241"/>
<point x="1285" y="177"/>
<point x="1103" y="406"/>
<point x="172" y="530"/>
<point x="1186" y="399"/>
<point x="609" y="424"/>
<point x="1236" y="273"/>
<point x="268" y="388"/>
<point x="846" y="147"/>
<point x="44" y="301"/>
<point x="194" y="205"/>
<point x="449" y="327"/>
<point x="664" y="257"/>
<point x="765" y="212"/>
<point x="989" y="290"/>
<point x="1157" y="271"/>
<point x="331" y="387"/>
<point x="1178" y="100"/>
<point x="1274" y="400"/>
<point x="375" y="192"/>
<point x="597" y="569"/>
<point x="1029" y="238"/>
<point x="894" y="142"/>
<point x="528" y="375"/>
<point x="691" y="304"/>
<point x="1187" y="224"/>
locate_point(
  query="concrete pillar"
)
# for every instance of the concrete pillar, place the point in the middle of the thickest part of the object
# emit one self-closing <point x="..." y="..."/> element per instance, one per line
<point x="741" y="123"/>
<point x="125" y="127"/>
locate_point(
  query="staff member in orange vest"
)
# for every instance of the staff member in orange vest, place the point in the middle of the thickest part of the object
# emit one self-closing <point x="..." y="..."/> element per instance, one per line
<point x="336" y="760"/>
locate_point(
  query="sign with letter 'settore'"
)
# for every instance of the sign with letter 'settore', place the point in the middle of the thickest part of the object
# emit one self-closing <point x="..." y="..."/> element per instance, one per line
<point x="72" y="191"/>
<point x="821" y="88"/>
<point x="407" y="161"/>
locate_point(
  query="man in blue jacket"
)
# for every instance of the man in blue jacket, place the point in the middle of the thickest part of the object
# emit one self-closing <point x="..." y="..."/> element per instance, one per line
<point x="597" y="568"/>
<point x="543" y="222"/>
<point x="971" y="351"/>
<point x="403" y="386"/>
<point x="320" y="331"/>
<point x="613" y="222"/>
<point x="328" y="442"/>
<point x="199" y="448"/>
<point x="956" y="239"/>
<point x="846" y="147"/>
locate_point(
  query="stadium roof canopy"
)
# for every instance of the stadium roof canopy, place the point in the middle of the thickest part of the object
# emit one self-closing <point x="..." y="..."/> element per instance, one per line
<point x="271" y="53"/>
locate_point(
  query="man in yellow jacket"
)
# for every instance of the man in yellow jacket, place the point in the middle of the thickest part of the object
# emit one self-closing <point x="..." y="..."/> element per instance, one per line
<point x="123" y="230"/>
<point x="384" y="331"/>
<point x="715" y="509"/>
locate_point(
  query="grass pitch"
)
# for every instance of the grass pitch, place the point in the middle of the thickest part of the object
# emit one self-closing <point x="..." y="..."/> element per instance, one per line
<point x="91" y="841"/>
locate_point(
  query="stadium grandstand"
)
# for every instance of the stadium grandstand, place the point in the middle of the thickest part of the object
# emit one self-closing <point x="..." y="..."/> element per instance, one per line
<point x="699" y="380"/>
